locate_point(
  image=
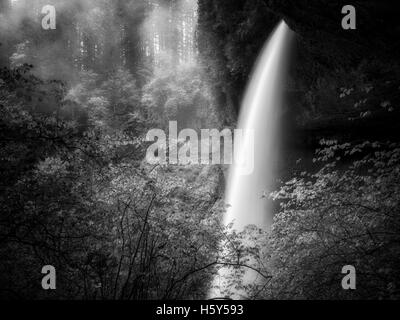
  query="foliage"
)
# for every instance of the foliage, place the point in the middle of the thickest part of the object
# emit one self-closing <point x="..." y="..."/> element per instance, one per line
<point x="344" y="214"/>
<point x="180" y="94"/>
<point x="112" y="103"/>
<point x="113" y="227"/>
<point x="76" y="193"/>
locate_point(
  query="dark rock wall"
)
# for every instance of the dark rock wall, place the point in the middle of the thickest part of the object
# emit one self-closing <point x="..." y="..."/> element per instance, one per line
<point x="343" y="83"/>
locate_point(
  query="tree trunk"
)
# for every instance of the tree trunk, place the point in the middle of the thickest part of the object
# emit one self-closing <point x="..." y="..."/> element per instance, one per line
<point x="5" y="51"/>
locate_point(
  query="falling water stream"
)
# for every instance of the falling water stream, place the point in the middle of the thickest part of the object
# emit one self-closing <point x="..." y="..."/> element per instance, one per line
<point x="260" y="115"/>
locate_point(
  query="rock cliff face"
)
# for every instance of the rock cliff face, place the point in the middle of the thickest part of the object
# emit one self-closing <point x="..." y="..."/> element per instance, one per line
<point x="350" y="77"/>
<point x="318" y="23"/>
<point x="343" y="83"/>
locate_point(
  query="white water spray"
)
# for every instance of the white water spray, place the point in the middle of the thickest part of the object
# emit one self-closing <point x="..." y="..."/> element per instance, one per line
<point x="259" y="114"/>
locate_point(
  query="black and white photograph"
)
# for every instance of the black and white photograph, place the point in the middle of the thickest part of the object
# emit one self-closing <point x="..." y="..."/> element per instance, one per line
<point x="220" y="151"/>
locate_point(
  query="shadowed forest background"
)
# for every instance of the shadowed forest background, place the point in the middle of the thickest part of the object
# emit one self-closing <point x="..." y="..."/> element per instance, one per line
<point x="75" y="189"/>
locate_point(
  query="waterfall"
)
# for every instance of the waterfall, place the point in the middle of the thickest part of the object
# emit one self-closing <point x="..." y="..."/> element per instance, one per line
<point x="260" y="115"/>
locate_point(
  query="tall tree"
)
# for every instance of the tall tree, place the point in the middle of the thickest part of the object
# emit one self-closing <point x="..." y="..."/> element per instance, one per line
<point x="5" y="6"/>
<point x="131" y="15"/>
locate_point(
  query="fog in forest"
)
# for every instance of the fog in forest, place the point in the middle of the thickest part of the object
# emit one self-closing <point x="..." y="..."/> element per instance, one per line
<point x="78" y="193"/>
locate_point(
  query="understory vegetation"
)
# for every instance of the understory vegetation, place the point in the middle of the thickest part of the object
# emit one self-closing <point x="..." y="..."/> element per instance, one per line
<point x="76" y="193"/>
